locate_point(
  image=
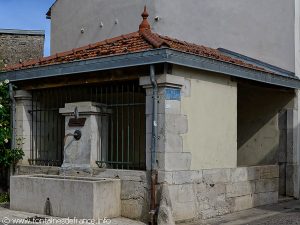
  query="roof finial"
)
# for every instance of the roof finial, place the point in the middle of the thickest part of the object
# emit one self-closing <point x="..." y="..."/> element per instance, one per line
<point x="145" y="24"/>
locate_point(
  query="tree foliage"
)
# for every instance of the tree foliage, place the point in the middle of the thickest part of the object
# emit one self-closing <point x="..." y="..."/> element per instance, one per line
<point x="8" y="156"/>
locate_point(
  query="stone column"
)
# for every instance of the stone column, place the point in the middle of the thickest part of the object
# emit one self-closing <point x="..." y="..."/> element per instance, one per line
<point x="293" y="150"/>
<point x="81" y="155"/>
<point x="24" y="122"/>
<point x="296" y="127"/>
<point x="288" y="150"/>
<point x="171" y="124"/>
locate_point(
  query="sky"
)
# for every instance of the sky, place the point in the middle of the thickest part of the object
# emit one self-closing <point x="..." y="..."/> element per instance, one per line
<point x="27" y="15"/>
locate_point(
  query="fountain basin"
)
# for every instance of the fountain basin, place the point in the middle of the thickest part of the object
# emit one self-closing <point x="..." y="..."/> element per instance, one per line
<point x="80" y="197"/>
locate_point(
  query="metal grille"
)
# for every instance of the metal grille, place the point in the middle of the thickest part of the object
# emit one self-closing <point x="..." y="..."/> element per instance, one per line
<point x="122" y="131"/>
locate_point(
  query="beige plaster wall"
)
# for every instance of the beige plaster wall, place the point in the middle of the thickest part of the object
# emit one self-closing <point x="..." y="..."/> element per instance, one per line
<point x="210" y="102"/>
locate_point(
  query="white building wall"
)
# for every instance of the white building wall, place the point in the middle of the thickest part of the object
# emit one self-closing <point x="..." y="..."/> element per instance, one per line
<point x="262" y="29"/>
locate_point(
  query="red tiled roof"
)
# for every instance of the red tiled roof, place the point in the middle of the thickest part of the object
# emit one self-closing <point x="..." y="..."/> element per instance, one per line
<point x="142" y="40"/>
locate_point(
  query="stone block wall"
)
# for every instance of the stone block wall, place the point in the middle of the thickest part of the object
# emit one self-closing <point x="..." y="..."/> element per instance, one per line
<point x="208" y="193"/>
<point x="194" y="195"/>
<point x="27" y="170"/>
<point x="135" y="188"/>
<point x="170" y="154"/>
<point x="19" y="46"/>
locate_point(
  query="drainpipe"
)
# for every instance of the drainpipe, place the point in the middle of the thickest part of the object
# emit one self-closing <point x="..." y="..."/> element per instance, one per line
<point x="153" y="209"/>
<point x="12" y="121"/>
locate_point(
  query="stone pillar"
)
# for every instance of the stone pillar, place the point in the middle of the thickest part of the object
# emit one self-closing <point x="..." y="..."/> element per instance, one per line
<point x="171" y="124"/>
<point x="81" y="155"/>
<point x="296" y="127"/>
<point x="24" y="122"/>
<point x="293" y="151"/>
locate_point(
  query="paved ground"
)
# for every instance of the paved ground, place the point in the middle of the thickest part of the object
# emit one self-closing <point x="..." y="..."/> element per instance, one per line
<point x="286" y="213"/>
<point x="9" y="217"/>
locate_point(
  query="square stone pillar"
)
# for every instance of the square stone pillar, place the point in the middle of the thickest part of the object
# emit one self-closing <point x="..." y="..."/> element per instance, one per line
<point x="171" y="124"/>
<point x="293" y="150"/>
<point x="81" y="155"/>
<point x="24" y="122"/>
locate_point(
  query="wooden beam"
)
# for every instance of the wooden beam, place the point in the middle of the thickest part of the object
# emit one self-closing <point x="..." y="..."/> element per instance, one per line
<point x="78" y="79"/>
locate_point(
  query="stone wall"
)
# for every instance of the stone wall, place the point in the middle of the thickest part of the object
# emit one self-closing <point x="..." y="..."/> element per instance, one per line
<point x="135" y="186"/>
<point x="194" y="195"/>
<point x="208" y="193"/>
<point x="16" y="48"/>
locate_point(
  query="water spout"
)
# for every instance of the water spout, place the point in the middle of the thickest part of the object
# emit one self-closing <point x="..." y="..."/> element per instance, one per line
<point x="76" y="135"/>
<point x="47" y="207"/>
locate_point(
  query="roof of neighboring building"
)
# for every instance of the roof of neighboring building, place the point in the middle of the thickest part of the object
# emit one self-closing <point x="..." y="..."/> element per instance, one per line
<point x="48" y="14"/>
<point x="23" y="32"/>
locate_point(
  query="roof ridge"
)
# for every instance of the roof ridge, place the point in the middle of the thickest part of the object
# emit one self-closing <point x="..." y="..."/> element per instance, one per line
<point x="186" y="43"/>
<point x="154" y="39"/>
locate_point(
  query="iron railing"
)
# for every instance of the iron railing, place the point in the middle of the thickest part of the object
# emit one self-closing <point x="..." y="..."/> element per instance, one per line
<point x="122" y="131"/>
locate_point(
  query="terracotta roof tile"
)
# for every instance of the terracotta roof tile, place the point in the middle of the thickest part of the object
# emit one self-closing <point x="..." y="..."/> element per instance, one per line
<point x="142" y="40"/>
<point x="152" y="38"/>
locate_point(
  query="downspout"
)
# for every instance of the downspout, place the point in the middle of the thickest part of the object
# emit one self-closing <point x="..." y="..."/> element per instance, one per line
<point x="12" y="121"/>
<point x="153" y="208"/>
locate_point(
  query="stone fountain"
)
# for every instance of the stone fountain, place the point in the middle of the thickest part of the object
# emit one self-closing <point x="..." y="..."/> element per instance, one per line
<point x="75" y="192"/>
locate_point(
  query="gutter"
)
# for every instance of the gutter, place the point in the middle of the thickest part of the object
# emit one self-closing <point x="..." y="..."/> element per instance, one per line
<point x="151" y="57"/>
<point x="153" y="208"/>
<point x="256" y="62"/>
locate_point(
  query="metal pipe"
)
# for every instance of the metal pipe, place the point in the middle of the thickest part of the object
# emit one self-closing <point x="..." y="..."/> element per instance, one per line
<point x="153" y="208"/>
<point x="154" y="117"/>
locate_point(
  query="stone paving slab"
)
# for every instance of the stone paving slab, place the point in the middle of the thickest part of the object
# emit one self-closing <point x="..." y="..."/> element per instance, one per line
<point x="285" y="213"/>
<point x="8" y="217"/>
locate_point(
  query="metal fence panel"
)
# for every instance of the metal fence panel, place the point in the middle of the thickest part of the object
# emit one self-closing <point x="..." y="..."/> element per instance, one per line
<point x="122" y="132"/>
